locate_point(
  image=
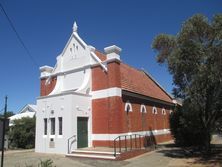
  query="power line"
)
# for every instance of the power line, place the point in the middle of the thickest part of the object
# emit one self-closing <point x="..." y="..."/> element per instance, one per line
<point x="18" y="36"/>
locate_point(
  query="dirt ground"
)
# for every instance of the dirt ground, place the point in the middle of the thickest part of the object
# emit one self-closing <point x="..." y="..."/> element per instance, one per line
<point x="165" y="156"/>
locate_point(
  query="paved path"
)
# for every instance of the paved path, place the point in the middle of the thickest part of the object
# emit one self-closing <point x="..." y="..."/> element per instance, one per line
<point x="164" y="157"/>
<point x="20" y="159"/>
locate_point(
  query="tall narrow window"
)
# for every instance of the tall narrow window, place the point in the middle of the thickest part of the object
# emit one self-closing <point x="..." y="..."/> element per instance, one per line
<point x="60" y="125"/>
<point x="52" y="120"/>
<point x="45" y="126"/>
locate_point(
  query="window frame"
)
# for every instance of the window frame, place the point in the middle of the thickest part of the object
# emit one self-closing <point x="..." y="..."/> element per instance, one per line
<point x="163" y="111"/>
<point x="143" y="109"/>
<point x="154" y="110"/>
<point x="128" y="107"/>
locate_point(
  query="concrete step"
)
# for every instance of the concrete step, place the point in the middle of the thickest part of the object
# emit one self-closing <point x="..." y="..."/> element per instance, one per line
<point x="94" y="156"/>
<point x="94" y="152"/>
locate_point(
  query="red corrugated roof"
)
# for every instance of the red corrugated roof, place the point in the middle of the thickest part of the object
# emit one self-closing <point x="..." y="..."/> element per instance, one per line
<point x="139" y="82"/>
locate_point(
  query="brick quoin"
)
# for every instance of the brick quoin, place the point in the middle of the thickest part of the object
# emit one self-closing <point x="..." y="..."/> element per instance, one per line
<point x="46" y="89"/>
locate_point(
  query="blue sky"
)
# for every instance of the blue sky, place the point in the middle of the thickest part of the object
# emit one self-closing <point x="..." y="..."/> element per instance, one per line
<point x="45" y="27"/>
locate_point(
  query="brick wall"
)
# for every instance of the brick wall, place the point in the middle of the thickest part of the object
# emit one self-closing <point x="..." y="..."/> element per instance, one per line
<point x="106" y="117"/>
<point x="46" y="89"/>
<point x="109" y="79"/>
<point x="109" y="115"/>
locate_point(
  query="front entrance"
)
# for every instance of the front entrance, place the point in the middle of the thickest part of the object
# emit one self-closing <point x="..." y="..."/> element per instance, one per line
<point x="82" y="132"/>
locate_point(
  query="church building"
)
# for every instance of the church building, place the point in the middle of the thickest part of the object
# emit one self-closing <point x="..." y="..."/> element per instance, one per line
<point x="90" y="98"/>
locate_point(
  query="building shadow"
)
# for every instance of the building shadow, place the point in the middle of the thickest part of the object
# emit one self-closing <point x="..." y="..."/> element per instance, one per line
<point x="150" y="140"/>
<point x="212" y="159"/>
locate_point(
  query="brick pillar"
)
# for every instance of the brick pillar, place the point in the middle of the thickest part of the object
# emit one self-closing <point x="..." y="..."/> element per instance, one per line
<point x="106" y="111"/>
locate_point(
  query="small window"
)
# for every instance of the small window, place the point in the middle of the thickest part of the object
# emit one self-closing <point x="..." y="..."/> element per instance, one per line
<point x="143" y="108"/>
<point x="128" y="107"/>
<point x="45" y="126"/>
<point x="74" y="46"/>
<point x="154" y="111"/>
<point x="163" y="111"/>
<point x="171" y="111"/>
<point x="60" y="125"/>
<point x="52" y="120"/>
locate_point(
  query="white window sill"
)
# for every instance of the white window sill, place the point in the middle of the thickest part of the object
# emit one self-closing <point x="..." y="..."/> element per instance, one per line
<point x="60" y="136"/>
<point x="44" y="136"/>
<point x="52" y="136"/>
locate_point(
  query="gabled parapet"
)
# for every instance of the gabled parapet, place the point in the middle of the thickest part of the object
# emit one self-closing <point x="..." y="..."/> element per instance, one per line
<point x="72" y="71"/>
<point x="45" y="71"/>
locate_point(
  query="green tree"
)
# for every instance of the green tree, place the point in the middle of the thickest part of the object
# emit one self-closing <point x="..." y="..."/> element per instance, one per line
<point x="194" y="58"/>
<point x="22" y="133"/>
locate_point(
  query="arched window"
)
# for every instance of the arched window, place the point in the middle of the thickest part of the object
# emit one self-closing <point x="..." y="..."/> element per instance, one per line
<point x="163" y="111"/>
<point x="144" y="117"/>
<point x="154" y="111"/>
<point x="128" y="107"/>
<point x="143" y="108"/>
<point x="171" y="111"/>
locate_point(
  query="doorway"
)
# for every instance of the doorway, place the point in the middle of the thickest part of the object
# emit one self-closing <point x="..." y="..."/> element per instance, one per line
<point x="82" y="132"/>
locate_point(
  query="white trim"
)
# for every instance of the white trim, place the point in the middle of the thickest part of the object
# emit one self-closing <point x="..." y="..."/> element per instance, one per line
<point x="64" y="93"/>
<point x="107" y="93"/>
<point x="154" y="110"/>
<point x="44" y="136"/>
<point x="98" y="60"/>
<point x="111" y="60"/>
<point x="51" y="136"/>
<point x="69" y="71"/>
<point x="163" y="111"/>
<point x="60" y="136"/>
<point x="130" y="107"/>
<point x="113" y="136"/>
<point x="143" y="108"/>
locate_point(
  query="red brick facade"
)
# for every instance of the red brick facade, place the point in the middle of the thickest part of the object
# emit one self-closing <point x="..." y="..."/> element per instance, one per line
<point x="46" y="89"/>
<point x="109" y="79"/>
<point x="109" y="115"/>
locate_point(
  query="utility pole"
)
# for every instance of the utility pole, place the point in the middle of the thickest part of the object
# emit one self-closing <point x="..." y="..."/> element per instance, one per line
<point x="3" y="131"/>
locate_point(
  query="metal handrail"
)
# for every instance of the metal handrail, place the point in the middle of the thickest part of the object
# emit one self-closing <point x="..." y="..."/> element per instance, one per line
<point x="72" y="137"/>
<point x="135" y="137"/>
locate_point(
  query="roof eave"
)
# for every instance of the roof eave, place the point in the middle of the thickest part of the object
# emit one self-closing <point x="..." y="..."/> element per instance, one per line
<point x="148" y="98"/>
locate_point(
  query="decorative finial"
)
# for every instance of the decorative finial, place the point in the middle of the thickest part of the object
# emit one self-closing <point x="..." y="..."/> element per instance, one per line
<point x="75" y="27"/>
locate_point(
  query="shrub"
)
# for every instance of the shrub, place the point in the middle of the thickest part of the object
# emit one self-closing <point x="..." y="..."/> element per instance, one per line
<point x="22" y="133"/>
<point x="46" y="163"/>
<point x="186" y="128"/>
